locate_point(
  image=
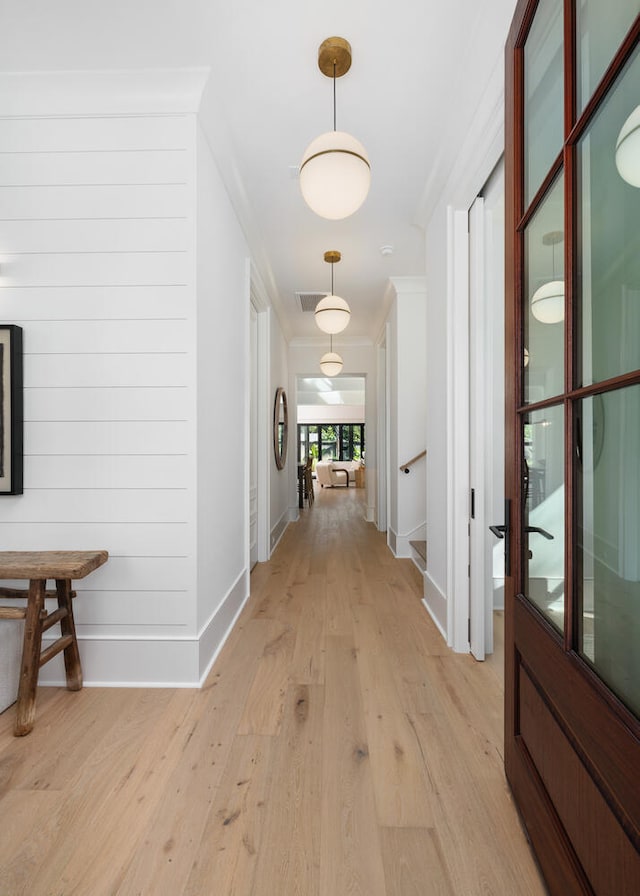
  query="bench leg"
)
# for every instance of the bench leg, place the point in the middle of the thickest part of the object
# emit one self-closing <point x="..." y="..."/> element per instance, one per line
<point x="72" y="664"/>
<point x="30" y="664"/>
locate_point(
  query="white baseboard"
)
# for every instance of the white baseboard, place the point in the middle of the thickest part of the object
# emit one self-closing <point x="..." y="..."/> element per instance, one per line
<point x="152" y="661"/>
<point x="436" y="603"/>
<point x="278" y="530"/>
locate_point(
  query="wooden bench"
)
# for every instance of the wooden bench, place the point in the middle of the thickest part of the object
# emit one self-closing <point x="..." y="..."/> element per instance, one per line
<point x="38" y="567"/>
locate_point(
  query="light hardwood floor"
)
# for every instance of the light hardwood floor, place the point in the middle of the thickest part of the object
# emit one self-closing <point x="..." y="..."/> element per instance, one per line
<point x="338" y="748"/>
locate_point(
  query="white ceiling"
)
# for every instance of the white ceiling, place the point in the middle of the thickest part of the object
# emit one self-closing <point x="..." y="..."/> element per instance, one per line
<point x="419" y="70"/>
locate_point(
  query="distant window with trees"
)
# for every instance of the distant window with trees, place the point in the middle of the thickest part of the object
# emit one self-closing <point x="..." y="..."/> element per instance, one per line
<point x="331" y="441"/>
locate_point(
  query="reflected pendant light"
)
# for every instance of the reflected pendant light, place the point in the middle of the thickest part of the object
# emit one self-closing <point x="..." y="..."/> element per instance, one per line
<point x="331" y="363"/>
<point x="335" y="173"/>
<point x="547" y="302"/>
<point x="628" y="149"/>
<point x="332" y="313"/>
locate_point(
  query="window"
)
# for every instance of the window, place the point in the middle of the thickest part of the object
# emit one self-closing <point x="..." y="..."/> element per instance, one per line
<point x="331" y="441"/>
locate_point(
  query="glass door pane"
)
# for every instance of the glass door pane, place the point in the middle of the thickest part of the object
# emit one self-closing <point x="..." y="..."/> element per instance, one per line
<point x="543" y="311"/>
<point x="600" y="29"/>
<point x="609" y="234"/>
<point x="609" y="533"/>
<point x="543" y="95"/>
<point x="544" y="511"/>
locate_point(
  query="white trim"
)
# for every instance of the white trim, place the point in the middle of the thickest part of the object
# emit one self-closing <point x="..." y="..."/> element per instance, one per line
<point x="478" y="417"/>
<point x="435" y="603"/>
<point x="381" y="402"/>
<point x="458" y="429"/>
<point x="129" y="653"/>
<point x="231" y="607"/>
<point x="280" y="527"/>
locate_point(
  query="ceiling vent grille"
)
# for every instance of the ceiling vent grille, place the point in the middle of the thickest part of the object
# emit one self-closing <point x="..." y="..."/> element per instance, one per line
<point x="307" y="301"/>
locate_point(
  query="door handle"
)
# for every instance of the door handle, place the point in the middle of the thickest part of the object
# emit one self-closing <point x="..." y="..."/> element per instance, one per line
<point x="502" y="531"/>
<point x="540" y="531"/>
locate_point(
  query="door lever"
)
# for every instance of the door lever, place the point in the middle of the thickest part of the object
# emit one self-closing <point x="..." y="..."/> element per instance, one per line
<point x="503" y="532"/>
<point x="540" y="531"/>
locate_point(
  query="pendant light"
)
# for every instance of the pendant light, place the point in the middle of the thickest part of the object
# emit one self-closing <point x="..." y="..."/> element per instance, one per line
<point x="332" y="313"/>
<point x="331" y="363"/>
<point x="335" y="173"/>
<point x="547" y="302"/>
<point x="628" y="149"/>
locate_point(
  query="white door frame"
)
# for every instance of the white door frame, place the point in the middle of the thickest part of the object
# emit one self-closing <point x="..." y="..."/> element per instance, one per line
<point x="481" y="153"/>
<point x="382" y="460"/>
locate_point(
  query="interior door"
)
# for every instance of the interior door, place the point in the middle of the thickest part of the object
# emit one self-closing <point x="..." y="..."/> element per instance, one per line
<point x="572" y="427"/>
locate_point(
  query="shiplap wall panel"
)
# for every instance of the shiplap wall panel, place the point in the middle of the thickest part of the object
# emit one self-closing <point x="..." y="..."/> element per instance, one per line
<point x="121" y="235"/>
<point x="97" y="266"/>
<point x="144" y="574"/>
<point x="121" y="539"/>
<point x="98" y="167"/>
<point x="115" y="437"/>
<point x="77" y="269"/>
<point x="89" y="403"/>
<point x="90" y="201"/>
<point x="95" y="505"/>
<point x="119" y="612"/>
<point x="118" y="336"/>
<point x="97" y="134"/>
<point x="117" y="370"/>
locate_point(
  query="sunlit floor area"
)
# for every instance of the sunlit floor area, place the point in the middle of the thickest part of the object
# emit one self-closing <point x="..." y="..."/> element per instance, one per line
<point x="338" y="748"/>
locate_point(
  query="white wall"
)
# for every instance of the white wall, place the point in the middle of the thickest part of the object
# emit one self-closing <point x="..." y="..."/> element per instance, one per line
<point x="406" y="359"/>
<point x="134" y="365"/>
<point x="359" y="360"/>
<point x="480" y="147"/>
<point x="223" y="303"/>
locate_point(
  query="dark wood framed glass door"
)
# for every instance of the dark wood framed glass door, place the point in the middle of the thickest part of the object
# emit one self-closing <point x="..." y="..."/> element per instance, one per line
<point x="572" y="632"/>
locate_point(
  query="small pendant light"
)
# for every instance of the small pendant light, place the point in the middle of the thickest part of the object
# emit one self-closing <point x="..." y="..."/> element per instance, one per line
<point x="547" y="302"/>
<point x="332" y="313"/>
<point x="331" y="363"/>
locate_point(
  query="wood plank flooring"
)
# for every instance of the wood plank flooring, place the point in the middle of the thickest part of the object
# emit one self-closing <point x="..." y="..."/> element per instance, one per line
<point x="338" y="748"/>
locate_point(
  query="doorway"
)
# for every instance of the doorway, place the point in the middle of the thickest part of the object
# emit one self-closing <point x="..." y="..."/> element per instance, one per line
<point x="486" y="410"/>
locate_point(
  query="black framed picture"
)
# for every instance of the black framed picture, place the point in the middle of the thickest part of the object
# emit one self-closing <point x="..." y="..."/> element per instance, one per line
<point x="10" y="409"/>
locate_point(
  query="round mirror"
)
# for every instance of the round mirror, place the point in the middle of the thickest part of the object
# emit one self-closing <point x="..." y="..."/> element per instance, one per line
<point x="280" y="428"/>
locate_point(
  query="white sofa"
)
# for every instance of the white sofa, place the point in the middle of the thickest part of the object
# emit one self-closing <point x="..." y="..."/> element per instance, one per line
<point x="332" y="472"/>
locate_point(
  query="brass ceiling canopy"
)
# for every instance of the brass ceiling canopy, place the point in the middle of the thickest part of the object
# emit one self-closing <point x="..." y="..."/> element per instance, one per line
<point x="334" y="51"/>
<point x="332" y="256"/>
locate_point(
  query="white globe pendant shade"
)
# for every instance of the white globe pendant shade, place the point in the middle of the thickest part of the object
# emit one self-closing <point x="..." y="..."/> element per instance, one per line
<point x="332" y="314"/>
<point x="628" y="149"/>
<point x="335" y="175"/>
<point x="331" y="364"/>
<point x="547" y="302"/>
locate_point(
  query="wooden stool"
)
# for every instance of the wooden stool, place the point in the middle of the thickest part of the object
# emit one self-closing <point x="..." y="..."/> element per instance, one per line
<point x="38" y="566"/>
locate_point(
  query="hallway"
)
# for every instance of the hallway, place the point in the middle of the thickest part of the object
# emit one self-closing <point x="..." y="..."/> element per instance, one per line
<point x="338" y="748"/>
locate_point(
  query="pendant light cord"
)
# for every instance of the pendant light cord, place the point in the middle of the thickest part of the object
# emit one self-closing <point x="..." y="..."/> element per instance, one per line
<point x="334" y="101"/>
